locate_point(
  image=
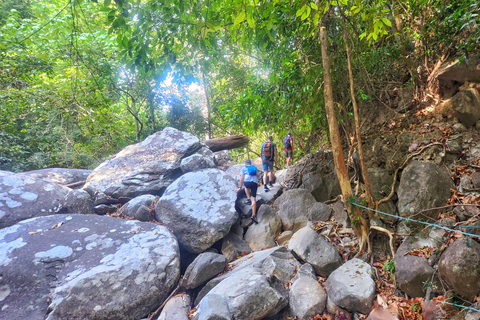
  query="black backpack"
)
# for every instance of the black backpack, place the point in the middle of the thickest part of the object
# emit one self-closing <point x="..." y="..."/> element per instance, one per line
<point x="287" y="143"/>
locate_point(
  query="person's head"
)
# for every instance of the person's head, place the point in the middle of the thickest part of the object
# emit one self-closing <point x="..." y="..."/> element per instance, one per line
<point x="270" y="138"/>
<point x="289" y="133"/>
<point x="248" y="162"/>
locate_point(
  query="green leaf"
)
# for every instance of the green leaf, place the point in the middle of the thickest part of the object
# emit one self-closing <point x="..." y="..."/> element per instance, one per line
<point x="251" y="22"/>
<point x="387" y="22"/>
<point x="306" y="13"/>
<point x="106" y="3"/>
<point x="314" y="6"/>
<point x="240" y="18"/>
<point x="300" y="11"/>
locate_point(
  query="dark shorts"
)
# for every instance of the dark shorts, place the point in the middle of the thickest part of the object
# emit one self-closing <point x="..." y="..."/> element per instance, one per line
<point x="267" y="165"/>
<point x="252" y="186"/>
<point x="288" y="154"/>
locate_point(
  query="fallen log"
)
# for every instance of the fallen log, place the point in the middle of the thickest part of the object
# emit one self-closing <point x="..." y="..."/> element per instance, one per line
<point x="227" y="143"/>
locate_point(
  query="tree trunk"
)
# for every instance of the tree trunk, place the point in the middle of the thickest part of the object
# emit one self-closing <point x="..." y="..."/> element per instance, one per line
<point x="209" y="128"/>
<point x="227" y="143"/>
<point x="151" y="104"/>
<point x="370" y="202"/>
<point x="358" y="222"/>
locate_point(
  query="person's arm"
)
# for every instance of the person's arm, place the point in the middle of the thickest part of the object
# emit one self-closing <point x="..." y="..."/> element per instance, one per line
<point x="242" y="178"/>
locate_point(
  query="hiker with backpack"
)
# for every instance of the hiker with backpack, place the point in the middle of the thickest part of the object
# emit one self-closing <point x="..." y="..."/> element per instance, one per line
<point x="269" y="154"/>
<point x="288" y="144"/>
<point x="248" y="178"/>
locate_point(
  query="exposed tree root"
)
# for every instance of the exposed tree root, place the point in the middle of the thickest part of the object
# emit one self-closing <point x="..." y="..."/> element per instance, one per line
<point x="392" y="189"/>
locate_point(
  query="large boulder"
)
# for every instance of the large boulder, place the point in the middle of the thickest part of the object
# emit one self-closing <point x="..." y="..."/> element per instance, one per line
<point x="177" y="308"/>
<point x="147" y="167"/>
<point x="140" y="208"/>
<point x="85" y="267"/>
<point x="233" y="246"/>
<point x="295" y="208"/>
<point x="412" y="271"/>
<point x="311" y="247"/>
<point x="205" y="266"/>
<point x="466" y="104"/>
<point x="199" y="208"/>
<point x="203" y="158"/>
<point x="380" y="186"/>
<point x="62" y="176"/>
<point x="249" y="294"/>
<point x="351" y="286"/>
<point x="262" y="235"/>
<point x="423" y="185"/>
<point x="23" y="197"/>
<point x="459" y="266"/>
<point x="307" y="297"/>
<point x="277" y="261"/>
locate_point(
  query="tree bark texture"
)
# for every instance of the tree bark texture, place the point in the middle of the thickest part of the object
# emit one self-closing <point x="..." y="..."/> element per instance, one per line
<point x="227" y="143"/>
<point x="358" y="222"/>
<point x="370" y="202"/>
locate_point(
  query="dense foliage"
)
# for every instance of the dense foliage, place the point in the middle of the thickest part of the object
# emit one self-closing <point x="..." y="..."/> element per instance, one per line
<point x="81" y="79"/>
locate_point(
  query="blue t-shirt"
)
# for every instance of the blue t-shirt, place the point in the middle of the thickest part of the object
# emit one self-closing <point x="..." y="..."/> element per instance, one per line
<point x="273" y="147"/>
<point x="248" y="177"/>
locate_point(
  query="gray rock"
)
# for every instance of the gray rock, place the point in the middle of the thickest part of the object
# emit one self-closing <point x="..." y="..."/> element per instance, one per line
<point x="294" y="208"/>
<point x="233" y="247"/>
<point x="277" y="261"/>
<point x="205" y="266"/>
<point x="477" y="125"/>
<point x="147" y="167"/>
<point x="177" y="308"/>
<point x="466" y="104"/>
<point x="77" y="201"/>
<point x="280" y="176"/>
<point x="437" y="233"/>
<point x="249" y="294"/>
<point x="381" y="185"/>
<point x="312" y="248"/>
<point x="341" y="215"/>
<point x="271" y="195"/>
<point x="284" y="238"/>
<point x="320" y="212"/>
<point x="454" y="145"/>
<point x="472" y="314"/>
<point x="139" y="207"/>
<point x="222" y="158"/>
<point x="413" y="271"/>
<point x="307" y="297"/>
<point x="262" y="235"/>
<point x="465" y="183"/>
<point x="332" y="308"/>
<point x="62" y="176"/>
<point x="202" y="159"/>
<point x="351" y="286"/>
<point x="323" y="185"/>
<point x="74" y="264"/>
<point x="459" y="127"/>
<point x="23" y="197"/>
<point x="476" y="179"/>
<point x="213" y="307"/>
<point x="459" y="266"/>
<point x="423" y="185"/>
<point x="198" y="207"/>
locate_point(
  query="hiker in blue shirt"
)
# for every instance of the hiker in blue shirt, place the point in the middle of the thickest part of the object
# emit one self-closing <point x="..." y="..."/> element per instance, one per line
<point x="248" y="177"/>
<point x="269" y="154"/>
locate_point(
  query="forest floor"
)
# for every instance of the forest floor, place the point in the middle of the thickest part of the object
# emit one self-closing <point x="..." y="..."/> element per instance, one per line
<point x="425" y="125"/>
